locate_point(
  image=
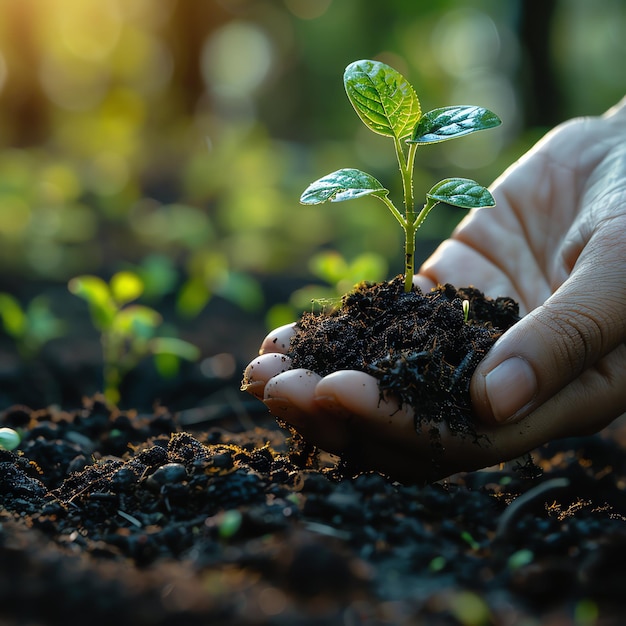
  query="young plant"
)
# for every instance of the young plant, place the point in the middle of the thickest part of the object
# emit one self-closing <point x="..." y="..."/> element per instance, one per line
<point x="32" y="326"/>
<point x="337" y="275"/>
<point x="387" y="105"/>
<point x="128" y="331"/>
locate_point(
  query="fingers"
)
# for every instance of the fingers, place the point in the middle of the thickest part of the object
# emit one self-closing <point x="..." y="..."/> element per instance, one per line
<point x="278" y="340"/>
<point x="271" y="362"/>
<point x="585" y="406"/>
<point x="291" y="396"/>
<point x="262" y="369"/>
<point x="556" y="344"/>
<point x="344" y="413"/>
<point x="351" y="392"/>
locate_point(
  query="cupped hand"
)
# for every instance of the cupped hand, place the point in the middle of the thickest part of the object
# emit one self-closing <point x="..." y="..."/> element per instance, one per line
<point x="556" y="242"/>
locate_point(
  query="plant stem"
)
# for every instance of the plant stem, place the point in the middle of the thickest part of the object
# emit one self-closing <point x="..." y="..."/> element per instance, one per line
<point x="426" y="209"/>
<point x="408" y="223"/>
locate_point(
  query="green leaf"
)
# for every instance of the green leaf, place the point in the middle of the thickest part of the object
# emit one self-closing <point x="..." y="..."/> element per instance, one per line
<point x="126" y="286"/>
<point x="43" y="325"/>
<point x="382" y="98"/>
<point x="167" y="365"/>
<point x="328" y="265"/>
<point x="461" y="192"/>
<point x="13" y="317"/>
<point x="341" y="185"/>
<point x="176" y="347"/>
<point x="454" y="121"/>
<point x="9" y="439"/>
<point x="90" y="288"/>
<point x="192" y="297"/>
<point x="241" y="289"/>
<point x="97" y="293"/>
<point x="137" y="321"/>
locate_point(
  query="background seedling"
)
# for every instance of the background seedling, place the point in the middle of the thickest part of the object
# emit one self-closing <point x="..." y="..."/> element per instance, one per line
<point x="128" y="331"/>
<point x="336" y="274"/>
<point x="32" y="326"/>
<point x="387" y="105"/>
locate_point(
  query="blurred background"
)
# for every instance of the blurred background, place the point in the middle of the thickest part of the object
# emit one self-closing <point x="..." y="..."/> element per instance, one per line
<point x="174" y="138"/>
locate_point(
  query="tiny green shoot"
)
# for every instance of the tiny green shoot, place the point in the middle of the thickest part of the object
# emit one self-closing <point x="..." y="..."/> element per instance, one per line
<point x="387" y="105"/>
<point x="466" y="310"/>
<point x="128" y="332"/>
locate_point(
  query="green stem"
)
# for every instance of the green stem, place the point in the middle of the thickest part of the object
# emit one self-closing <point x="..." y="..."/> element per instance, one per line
<point x="426" y="209"/>
<point x="391" y="206"/>
<point x="409" y="257"/>
<point x="408" y="223"/>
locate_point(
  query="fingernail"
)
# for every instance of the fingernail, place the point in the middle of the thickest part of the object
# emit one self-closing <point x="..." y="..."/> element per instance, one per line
<point x="510" y="387"/>
<point x="255" y="388"/>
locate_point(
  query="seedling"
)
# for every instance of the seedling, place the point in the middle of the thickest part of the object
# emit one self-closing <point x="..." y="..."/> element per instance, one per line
<point x="32" y="326"/>
<point x="387" y="105"/>
<point x="128" y="331"/>
<point x="466" y="309"/>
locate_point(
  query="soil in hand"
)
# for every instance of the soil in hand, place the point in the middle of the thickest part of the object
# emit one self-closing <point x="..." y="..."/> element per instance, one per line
<point x="420" y="346"/>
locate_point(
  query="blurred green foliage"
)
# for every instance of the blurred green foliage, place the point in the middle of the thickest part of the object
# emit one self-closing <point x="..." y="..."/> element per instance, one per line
<point x="31" y="326"/>
<point x="336" y="276"/>
<point x="128" y="332"/>
<point x="174" y="137"/>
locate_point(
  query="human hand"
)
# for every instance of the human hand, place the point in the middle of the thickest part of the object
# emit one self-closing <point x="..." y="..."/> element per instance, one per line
<point x="555" y="243"/>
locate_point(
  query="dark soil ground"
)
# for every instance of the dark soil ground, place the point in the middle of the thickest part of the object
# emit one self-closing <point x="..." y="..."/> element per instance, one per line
<point x="206" y="515"/>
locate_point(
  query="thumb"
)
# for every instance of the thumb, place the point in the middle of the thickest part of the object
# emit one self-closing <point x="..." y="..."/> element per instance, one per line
<point x="549" y="348"/>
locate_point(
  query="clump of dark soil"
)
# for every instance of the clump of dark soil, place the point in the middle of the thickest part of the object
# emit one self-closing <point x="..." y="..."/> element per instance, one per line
<point x="418" y="345"/>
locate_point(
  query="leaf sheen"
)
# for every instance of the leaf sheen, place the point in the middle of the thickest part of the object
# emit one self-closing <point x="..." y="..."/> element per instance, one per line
<point x="453" y="121"/>
<point x="462" y="192"/>
<point x="344" y="184"/>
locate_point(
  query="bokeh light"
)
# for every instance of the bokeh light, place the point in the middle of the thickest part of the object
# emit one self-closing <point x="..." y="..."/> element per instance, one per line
<point x="131" y="127"/>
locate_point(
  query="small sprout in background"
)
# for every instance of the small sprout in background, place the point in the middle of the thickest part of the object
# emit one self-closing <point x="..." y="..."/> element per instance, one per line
<point x="466" y="310"/>
<point x="437" y="564"/>
<point x="467" y="537"/>
<point x="388" y="106"/>
<point x="520" y="559"/>
<point x="159" y="276"/>
<point x="586" y="612"/>
<point x="30" y="327"/>
<point x="469" y="608"/>
<point x="208" y="275"/>
<point x="229" y="523"/>
<point x="9" y="439"/>
<point x="128" y="331"/>
<point x="337" y="275"/>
